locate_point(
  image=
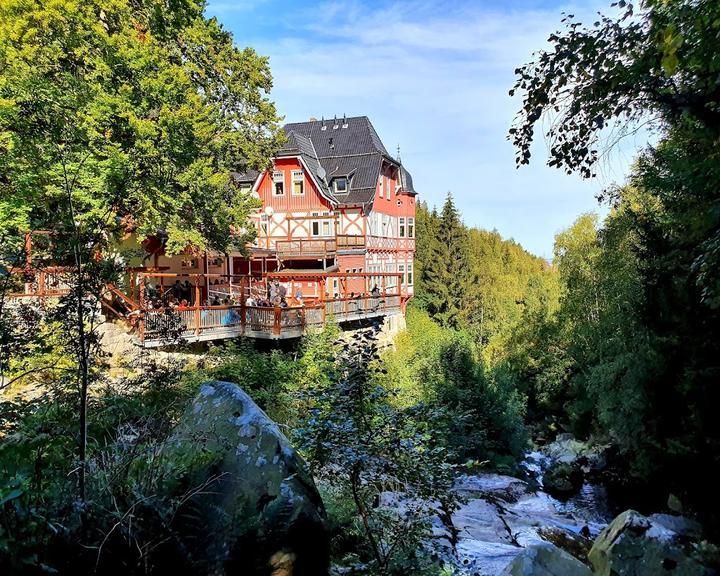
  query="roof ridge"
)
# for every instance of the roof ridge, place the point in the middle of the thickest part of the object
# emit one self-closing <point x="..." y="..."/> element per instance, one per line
<point x="349" y="155"/>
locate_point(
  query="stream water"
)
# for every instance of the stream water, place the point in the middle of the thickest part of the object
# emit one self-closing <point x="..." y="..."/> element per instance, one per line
<point x="501" y="515"/>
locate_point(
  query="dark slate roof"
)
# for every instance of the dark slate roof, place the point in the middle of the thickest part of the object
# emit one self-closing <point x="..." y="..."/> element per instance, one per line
<point x="347" y="147"/>
<point x="406" y="181"/>
<point x="248" y="177"/>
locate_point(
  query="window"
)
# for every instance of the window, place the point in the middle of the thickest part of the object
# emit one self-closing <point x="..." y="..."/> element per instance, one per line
<point x="410" y="274"/>
<point x="278" y="183"/>
<point x="245" y="188"/>
<point x="341" y="185"/>
<point x="402" y="228"/>
<point x="264" y="224"/>
<point x="316" y="228"/>
<point x="298" y="183"/>
<point x="326" y="228"/>
<point x="411" y="228"/>
<point x="401" y="269"/>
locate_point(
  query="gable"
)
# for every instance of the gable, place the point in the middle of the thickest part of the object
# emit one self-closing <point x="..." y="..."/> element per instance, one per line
<point x="288" y="170"/>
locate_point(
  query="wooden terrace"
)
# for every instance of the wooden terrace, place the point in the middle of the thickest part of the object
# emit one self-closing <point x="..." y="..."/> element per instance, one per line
<point x="241" y="316"/>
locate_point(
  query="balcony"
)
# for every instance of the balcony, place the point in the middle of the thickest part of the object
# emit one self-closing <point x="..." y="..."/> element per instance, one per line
<point x="350" y="242"/>
<point x="203" y="323"/>
<point x="320" y="248"/>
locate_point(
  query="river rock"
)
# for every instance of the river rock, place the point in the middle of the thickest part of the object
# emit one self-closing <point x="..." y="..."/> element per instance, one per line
<point x="563" y="479"/>
<point x="636" y="545"/>
<point x="545" y="560"/>
<point x="565" y="448"/>
<point x="253" y="507"/>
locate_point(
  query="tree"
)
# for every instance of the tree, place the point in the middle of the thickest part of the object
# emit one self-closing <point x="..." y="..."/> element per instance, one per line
<point x="118" y="116"/>
<point x="662" y="62"/>
<point x="444" y="281"/>
<point x="651" y="369"/>
<point x="426" y="226"/>
<point x="382" y="459"/>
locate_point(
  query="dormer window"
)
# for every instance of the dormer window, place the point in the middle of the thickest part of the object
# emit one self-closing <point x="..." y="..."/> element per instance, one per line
<point x="278" y="183"/>
<point x="298" y="183"/>
<point x="245" y="188"/>
<point x="341" y="185"/>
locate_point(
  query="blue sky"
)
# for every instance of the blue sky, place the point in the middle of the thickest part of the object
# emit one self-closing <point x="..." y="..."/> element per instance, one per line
<point x="433" y="77"/>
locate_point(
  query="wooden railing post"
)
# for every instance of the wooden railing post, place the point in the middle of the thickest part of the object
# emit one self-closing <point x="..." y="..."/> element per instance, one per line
<point x="197" y="308"/>
<point x="41" y="283"/>
<point x="276" y="324"/>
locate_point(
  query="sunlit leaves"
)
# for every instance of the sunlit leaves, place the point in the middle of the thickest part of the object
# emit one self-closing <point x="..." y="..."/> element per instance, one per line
<point x="140" y="108"/>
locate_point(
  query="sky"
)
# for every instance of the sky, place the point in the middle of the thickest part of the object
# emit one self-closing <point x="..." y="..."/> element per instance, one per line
<point x="433" y="77"/>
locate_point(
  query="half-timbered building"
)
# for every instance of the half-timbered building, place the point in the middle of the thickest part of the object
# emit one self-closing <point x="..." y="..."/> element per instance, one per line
<point x="335" y="200"/>
<point x="335" y="239"/>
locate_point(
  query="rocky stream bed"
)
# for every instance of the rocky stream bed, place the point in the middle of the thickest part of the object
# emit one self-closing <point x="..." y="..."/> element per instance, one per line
<point x="508" y="526"/>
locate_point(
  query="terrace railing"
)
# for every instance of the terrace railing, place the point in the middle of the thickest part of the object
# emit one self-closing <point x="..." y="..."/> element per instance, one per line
<point x="157" y="327"/>
<point x="350" y="241"/>
<point x="41" y="283"/>
<point x="306" y="247"/>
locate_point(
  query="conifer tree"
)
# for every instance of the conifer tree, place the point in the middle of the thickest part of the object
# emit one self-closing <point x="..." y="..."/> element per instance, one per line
<point x="426" y="225"/>
<point x="444" y="280"/>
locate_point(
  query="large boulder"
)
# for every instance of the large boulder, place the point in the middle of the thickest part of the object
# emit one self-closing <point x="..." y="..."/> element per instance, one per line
<point x="565" y="448"/>
<point x="563" y="479"/>
<point x="251" y="505"/>
<point x="635" y="545"/>
<point x="545" y="560"/>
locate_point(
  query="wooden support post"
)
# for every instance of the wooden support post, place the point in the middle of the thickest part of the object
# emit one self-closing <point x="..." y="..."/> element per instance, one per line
<point x="207" y="279"/>
<point x="243" y="304"/>
<point x="141" y="300"/>
<point x="197" y="307"/>
<point x="276" y="324"/>
<point x="28" y="262"/>
<point x="321" y="290"/>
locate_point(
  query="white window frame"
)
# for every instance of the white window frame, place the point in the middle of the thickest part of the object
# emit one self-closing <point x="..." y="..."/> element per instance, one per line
<point x="298" y="177"/>
<point x="409" y="274"/>
<point x="335" y="185"/>
<point x="401" y="227"/>
<point x="278" y="177"/>
<point x="411" y="227"/>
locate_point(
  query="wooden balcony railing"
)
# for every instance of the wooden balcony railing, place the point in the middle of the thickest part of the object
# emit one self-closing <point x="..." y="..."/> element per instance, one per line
<point x="159" y="327"/>
<point x="307" y="247"/>
<point x="40" y="283"/>
<point x="349" y="241"/>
